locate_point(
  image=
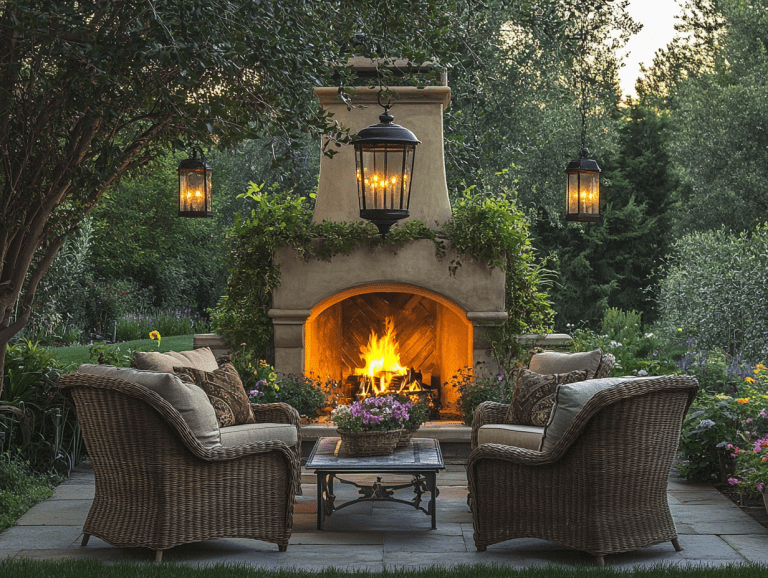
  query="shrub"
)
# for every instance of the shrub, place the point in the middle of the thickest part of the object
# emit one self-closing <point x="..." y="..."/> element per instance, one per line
<point x="637" y="352"/>
<point x="38" y="425"/>
<point x="475" y="389"/>
<point x="20" y="489"/>
<point x="716" y="292"/>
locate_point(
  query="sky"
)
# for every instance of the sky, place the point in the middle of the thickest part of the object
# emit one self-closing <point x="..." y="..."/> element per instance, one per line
<point x="657" y="17"/>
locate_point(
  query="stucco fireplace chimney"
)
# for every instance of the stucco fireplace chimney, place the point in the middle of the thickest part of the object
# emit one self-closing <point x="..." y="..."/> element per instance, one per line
<point x="324" y="309"/>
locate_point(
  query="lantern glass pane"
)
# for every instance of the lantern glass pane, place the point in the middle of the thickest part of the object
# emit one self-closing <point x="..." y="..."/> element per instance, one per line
<point x="383" y="175"/>
<point x="590" y="193"/>
<point x="573" y="193"/>
<point x="192" y="189"/>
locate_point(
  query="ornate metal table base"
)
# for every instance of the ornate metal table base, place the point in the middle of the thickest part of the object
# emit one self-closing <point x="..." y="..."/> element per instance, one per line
<point x="421" y="459"/>
<point x="422" y="483"/>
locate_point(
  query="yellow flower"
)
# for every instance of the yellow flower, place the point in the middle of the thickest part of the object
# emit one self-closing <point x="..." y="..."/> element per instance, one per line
<point x="743" y="400"/>
<point x="155" y="335"/>
<point x="277" y="387"/>
<point x="679" y="328"/>
<point x="749" y="380"/>
<point x="759" y="367"/>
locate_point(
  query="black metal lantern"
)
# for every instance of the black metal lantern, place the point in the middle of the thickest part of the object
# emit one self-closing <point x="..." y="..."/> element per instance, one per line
<point x="582" y="189"/>
<point x="384" y="156"/>
<point x="195" y="187"/>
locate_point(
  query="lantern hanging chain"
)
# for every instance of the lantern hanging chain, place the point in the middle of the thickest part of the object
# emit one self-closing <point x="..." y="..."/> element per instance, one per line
<point x="383" y="88"/>
<point x="583" y="83"/>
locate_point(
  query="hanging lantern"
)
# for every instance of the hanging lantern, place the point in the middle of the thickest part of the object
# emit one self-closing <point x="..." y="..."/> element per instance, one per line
<point x="195" y="187"/>
<point x="384" y="156"/>
<point x="582" y="189"/>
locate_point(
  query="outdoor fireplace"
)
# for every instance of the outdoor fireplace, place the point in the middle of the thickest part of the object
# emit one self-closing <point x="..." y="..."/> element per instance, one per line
<point x="432" y="310"/>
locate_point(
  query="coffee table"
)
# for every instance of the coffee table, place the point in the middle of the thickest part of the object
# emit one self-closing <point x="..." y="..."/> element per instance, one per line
<point x="421" y="459"/>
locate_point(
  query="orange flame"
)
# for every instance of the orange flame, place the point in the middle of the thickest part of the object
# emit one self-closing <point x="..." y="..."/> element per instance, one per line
<point x="382" y="358"/>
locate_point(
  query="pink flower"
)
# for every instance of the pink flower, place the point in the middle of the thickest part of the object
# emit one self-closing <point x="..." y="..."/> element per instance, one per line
<point x="733" y="481"/>
<point x="760" y="487"/>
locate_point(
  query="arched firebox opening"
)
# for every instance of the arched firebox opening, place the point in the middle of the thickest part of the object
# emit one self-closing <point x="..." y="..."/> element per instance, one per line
<point x="431" y="334"/>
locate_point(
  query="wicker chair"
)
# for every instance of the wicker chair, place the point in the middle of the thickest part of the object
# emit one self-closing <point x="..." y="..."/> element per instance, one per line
<point x="158" y="487"/>
<point x="601" y="488"/>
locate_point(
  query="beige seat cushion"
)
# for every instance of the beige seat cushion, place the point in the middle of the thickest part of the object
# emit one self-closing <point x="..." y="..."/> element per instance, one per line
<point x="238" y="435"/>
<point x="202" y="359"/>
<point x="569" y="401"/>
<point x="556" y="362"/>
<point x="188" y="399"/>
<point x="519" y="436"/>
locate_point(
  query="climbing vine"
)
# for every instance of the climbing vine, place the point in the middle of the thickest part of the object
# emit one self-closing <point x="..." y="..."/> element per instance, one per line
<point x="492" y="230"/>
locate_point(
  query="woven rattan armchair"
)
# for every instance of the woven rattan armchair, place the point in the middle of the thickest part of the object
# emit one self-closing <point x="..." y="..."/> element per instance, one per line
<point x="158" y="487"/>
<point x="602" y="488"/>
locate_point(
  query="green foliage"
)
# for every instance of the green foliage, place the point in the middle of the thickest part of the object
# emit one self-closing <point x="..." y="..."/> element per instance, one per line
<point x="20" y="489"/>
<point x="304" y="393"/>
<point x="713" y="85"/>
<point x="106" y="354"/>
<point x="716" y="292"/>
<point x="492" y="230"/>
<point x="615" y="263"/>
<point x="516" y="82"/>
<point x="637" y="352"/>
<point x="475" y="389"/>
<point x="38" y="425"/>
<point x="137" y="326"/>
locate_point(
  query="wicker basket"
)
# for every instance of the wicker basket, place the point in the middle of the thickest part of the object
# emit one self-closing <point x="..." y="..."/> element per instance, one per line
<point x="406" y="435"/>
<point x="369" y="443"/>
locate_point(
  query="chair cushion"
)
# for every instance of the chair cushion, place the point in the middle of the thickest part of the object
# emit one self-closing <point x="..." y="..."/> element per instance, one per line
<point x="238" y="435"/>
<point x="534" y="396"/>
<point x="606" y="364"/>
<point x="519" y="436"/>
<point x="556" y="362"/>
<point x="225" y="392"/>
<point x="188" y="399"/>
<point x="202" y="358"/>
<point x="569" y="401"/>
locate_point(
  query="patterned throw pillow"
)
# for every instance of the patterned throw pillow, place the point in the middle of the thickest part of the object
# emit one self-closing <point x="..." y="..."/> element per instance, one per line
<point x="224" y="390"/>
<point x="534" y="396"/>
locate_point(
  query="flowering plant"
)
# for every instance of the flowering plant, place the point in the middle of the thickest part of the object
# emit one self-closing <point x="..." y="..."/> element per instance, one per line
<point x="265" y="389"/>
<point x="372" y="414"/>
<point x="155" y="335"/>
<point x="751" y="467"/>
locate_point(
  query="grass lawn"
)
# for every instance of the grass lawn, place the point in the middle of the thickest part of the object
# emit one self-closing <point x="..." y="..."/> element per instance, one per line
<point x="95" y="569"/>
<point x="71" y="357"/>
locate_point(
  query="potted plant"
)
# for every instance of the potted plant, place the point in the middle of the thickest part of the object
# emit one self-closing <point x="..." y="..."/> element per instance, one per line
<point x="417" y="415"/>
<point x="371" y="427"/>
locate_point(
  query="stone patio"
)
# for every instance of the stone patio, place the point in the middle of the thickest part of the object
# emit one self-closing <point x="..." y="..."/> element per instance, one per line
<point x="713" y="531"/>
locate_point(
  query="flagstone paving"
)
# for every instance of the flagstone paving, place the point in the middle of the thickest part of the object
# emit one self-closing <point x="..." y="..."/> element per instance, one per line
<point x="713" y="531"/>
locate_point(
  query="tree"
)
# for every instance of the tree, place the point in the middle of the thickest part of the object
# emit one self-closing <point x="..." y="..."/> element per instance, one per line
<point x="91" y="90"/>
<point x="719" y="142"/>
<point x="520" y="75"/>
<point x="616" y="263"/>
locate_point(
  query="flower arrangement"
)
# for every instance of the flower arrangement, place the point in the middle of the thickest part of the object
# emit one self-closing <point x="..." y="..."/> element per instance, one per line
<point x="417" y="413"/>
<point x="383" y="413"/>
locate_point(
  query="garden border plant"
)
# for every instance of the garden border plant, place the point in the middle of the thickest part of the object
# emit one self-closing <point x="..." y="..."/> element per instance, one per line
<point x="492" y="230"/>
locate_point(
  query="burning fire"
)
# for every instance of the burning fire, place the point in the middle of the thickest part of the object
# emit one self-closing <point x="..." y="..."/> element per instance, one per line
<point x="382" y="359"/>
